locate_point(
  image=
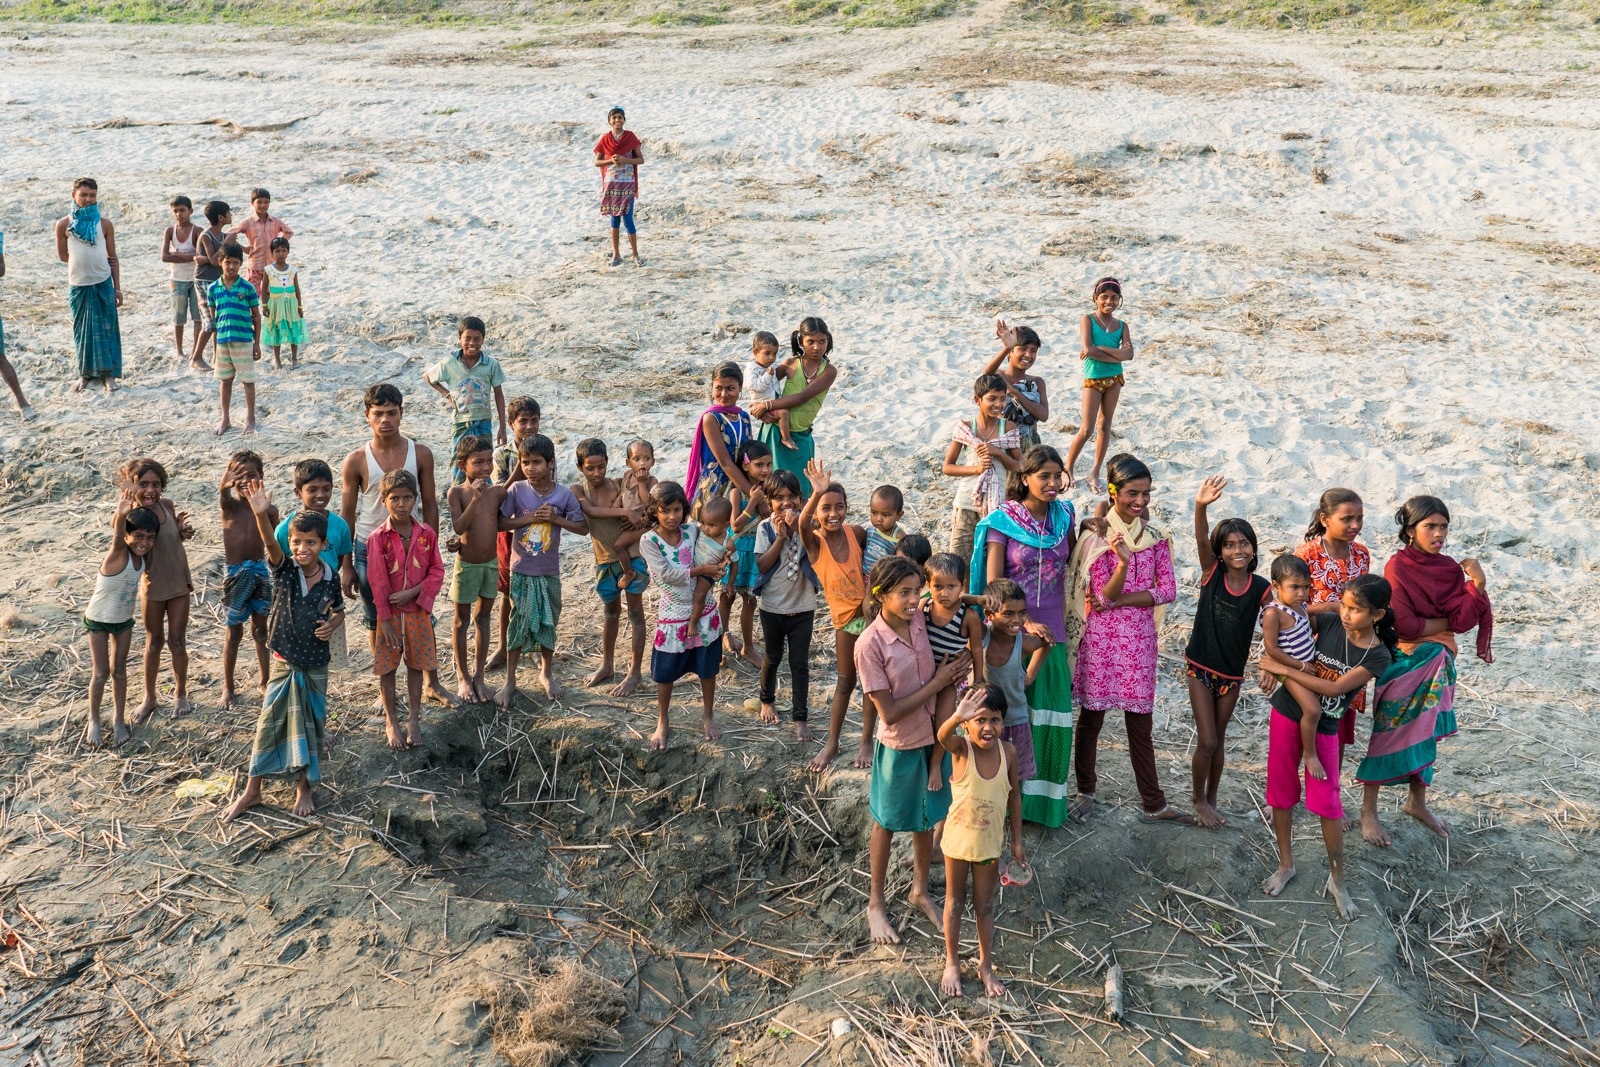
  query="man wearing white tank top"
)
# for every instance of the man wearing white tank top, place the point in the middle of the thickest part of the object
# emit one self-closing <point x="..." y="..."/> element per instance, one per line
<point x="363" y="509"/>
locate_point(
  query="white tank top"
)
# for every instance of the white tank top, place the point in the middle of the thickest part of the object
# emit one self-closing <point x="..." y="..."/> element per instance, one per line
<point x="115" y="595"/>
<point x="370" y="512"/>
<point x="184" y="272"/>
<point x="87" y="264"/>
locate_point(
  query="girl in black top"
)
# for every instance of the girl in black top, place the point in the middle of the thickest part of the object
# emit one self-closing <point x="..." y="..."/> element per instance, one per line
<point x="1231" y="594"/>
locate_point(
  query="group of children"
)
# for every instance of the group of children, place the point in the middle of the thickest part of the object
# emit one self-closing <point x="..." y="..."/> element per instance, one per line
<point x="941" y="645"/>
<point x="240" y="297"/>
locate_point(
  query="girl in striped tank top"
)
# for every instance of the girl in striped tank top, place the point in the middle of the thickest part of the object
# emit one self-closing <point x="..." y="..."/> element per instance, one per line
<point x="1285" y="627"/>
<point x="954" y="625"/>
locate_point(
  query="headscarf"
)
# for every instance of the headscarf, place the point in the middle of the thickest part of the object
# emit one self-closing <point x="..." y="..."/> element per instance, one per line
<point x="85" y="223"/>
<point x="691" y="478"/>
<point x="1015" y="521"/>
<point x="1431" y="585"/>
<point x="1139" y="535"/>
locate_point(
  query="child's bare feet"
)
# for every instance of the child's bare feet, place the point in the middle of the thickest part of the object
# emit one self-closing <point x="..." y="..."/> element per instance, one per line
<point x="769" y="714"/>
<point x="712" y="730"/>
<point x="788" y="442"/>
<point x="551" y="690"/>
<point x="142" y="713"/>
<point x="991" y="985"/>
<point x="111" y="385"/>
<point x="481" y="690"/>
<point x="1372" y="831"/>
<point x="93" y="737"/>
<point x="433" y="691"/>
<point x="1280" y="878"/>
<point x="1424" y="814"/>
<point x="753" y="656"/>
<point x="413" y="737"/>
<point x="950" y="981"/>
<point x="120" y="733"/>
<point x="182" y="707"/>
<point x="935" y="778"/>
<point x="465" y="690"/>
<point x="249" y="427"/>
<point x="223" y="427"/>
<point x="921" y="900"/>
<point x="604" y="674"/>
<point x="864" y="758"/>
<point x="1208" y="816"/>
<point x="820" y="761"/>
<point x="246" y="800"/>
<point x="802" y="732"/>
<point x="397" y="738"/>
<point x="879" y="926"/>
<point x="303" y="805"/>
<point x="496" y="661"/>
<point x="1341" y="899"/>
<point x="502" y="699"/>
<point x="658" y="740"/>
<point x="627" y="686"/>
<point x="227" y="697"/>
<point x="1314" y="767"/>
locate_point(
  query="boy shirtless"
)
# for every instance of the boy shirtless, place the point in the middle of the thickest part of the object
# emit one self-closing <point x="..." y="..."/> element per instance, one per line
<point x="475" y="518"/>
<point x="361" y="506"/>
<point x="247" y="583"/>
<point x="619" y="571"/>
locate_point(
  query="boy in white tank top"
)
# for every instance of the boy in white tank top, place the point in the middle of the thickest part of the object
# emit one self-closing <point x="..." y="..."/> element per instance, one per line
<point x="177" y="249"/>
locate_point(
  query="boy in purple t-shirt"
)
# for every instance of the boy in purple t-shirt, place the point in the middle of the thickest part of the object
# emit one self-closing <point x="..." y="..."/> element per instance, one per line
<point x="537" y="508"/>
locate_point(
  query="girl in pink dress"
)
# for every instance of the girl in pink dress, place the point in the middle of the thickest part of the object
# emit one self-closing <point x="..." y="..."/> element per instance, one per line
<point x="1121" y="585"/>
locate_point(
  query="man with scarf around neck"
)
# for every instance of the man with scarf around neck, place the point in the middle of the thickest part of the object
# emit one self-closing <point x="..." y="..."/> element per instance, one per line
<point x="87" y="244"/>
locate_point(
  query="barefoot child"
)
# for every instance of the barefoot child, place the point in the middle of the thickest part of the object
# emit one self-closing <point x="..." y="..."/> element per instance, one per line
<point x="684" y="643"/>
<point x="285" y="311"/>
<point x="406" y="572"/>
<point x="469" y="380"/>
<point x="1107" y="345"/>
<point x="1435" y="598"/>
<point x="786" y="586"/>
<point x="885" y="508"/>
<point x="755" y="460"/>
<point x="1231" y="596"/>
<point x="713" y="545"/>
<point x="306" y="610"/>
<point x="619" y="572"/>
<point x="764" y="376"/>
<point x="1286" y="633"/>
<point x="236" y="313"/>
<point x="981" y="480"/>
<point x="475" y="518"/>
<point x="1335" y="556"/>
<point x="618" y="155"/>
<point x="900" y="678"/>
<point x="247" y="583"/>
<point x="537" y="509"/>
<point x="523" y="414"/>
<point x="1351" y="650"/>
<point x="177" y="249"/>
<point x="109" y="615"/>
<point x="313" y="485"/>
<point x="1027" y="401"/>
<point x="167" y="587"/>
<point x="834" y="549"/>
<point x="984" y="798"/>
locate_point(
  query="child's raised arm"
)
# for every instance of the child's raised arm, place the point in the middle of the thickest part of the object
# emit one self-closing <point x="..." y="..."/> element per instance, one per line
<point x="261" y="503"/>
<point x="967" y="710"/>
<point x="117" y="556"/>
<point x="1209" y="493"/>
<point x="820" y="480"/>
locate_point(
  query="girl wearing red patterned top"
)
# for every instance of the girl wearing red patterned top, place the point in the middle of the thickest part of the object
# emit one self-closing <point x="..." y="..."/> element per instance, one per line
<point x="1335" y="556"/>
<point x="618" y="155"/>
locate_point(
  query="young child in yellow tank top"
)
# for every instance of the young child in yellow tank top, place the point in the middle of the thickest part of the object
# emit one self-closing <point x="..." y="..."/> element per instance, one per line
<point x="984" y="796"/>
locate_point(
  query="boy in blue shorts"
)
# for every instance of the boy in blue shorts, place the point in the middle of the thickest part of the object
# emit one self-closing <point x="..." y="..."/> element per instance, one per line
<point x="247" y="583"/>
<point x="619" y="569"/>
<point x="469" y="380"/>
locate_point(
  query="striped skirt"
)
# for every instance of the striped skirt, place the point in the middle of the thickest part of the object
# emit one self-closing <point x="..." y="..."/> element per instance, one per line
<point x="1044" y="796"/>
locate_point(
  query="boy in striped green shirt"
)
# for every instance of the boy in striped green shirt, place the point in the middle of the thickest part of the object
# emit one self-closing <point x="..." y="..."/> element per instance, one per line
<point x="236" y="312"/>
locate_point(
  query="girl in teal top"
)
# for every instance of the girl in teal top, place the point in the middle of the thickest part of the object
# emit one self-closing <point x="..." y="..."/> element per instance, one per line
<point x="1107" y="345"/>
<point x="802" y="395"/>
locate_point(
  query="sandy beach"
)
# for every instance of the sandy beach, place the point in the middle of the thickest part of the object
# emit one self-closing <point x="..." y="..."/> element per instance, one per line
<point x="1349" y="258"/>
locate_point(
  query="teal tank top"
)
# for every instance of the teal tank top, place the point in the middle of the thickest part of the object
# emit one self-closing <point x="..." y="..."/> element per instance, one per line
<point x="1094" y="368"/>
